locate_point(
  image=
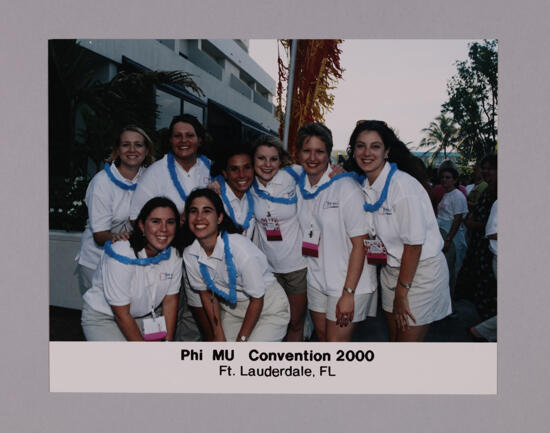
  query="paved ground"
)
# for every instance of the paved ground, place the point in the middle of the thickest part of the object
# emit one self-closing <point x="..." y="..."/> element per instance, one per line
<point x="65" y="326"/>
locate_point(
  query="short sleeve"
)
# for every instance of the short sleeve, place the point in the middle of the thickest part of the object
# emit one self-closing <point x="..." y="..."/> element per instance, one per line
<point x="356" y="222"/>
<point x="99" y="199"/>
<point x="491" y="227"/>
<point x="411" y="220"/>
<point x="251" y="268"/>
<point x="117" y="281"/>
<point x="145" y="190"/>
<point x="459" y="204"/>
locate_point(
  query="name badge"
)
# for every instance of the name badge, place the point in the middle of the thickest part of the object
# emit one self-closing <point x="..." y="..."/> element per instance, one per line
<point x="153" y="328"/>
<point x="375" y="251"/>
<point x="310" y="244"/>
<point x="272" y="229"/>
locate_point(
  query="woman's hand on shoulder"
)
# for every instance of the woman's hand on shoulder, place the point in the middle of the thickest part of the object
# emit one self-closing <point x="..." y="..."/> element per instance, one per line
<point x="335" y="169"/>
<point x="214" y="186"/>
<point x="122" y="236"/>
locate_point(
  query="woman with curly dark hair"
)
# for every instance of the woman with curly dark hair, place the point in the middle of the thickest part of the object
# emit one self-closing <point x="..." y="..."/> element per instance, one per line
<point x="406" y="238"/>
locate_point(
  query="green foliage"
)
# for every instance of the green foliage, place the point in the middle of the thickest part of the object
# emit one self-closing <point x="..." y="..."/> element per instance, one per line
<point x="473" y="100"/>
<point x="104" y="107"/>
<point x="441" y="135"/>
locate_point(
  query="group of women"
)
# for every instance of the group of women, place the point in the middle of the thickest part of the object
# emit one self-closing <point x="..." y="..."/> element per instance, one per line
<point x="266" y="242"/>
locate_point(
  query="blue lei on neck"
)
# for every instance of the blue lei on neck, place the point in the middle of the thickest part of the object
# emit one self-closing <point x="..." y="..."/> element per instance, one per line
<point x="117" y="182"/>
<point x="231" y="272"/>
<point x="310" y="195"/>
<point x="384" y="195"/>
<point x="249" y="199"/>
<point x="163" y="255"/>
<point x="270" y="198"/>
<point x="291" y="171"/>
<point x="174" y="176"/>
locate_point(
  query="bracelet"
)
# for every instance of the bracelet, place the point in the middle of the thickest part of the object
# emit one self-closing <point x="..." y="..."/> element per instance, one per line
<point x="350" y="291"/>
<point x="406" y="286"/>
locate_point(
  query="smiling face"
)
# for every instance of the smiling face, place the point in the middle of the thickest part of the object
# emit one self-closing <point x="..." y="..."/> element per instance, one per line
<point x="266" y="163"/>
<point x="239" y="174"/>
<point x="159" y="229"/>
<point x="314" y="158"/>
<point x="184" y="141"/>
<point x="203" y="220"/>
<point x="131" y="150"/>
<point x="370" y="154"/>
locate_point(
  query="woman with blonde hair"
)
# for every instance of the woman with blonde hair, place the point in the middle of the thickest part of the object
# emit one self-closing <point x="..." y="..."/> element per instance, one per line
<point x="108" y="198"/>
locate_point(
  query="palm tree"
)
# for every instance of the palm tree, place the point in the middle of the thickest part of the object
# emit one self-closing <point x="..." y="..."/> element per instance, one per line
<point x="441" y="134"/>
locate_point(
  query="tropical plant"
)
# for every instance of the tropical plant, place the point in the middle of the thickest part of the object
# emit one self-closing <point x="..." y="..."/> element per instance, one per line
<point x="441" y="135"/>
<point x="102" y="109"/>
<point x="473" y="100"/>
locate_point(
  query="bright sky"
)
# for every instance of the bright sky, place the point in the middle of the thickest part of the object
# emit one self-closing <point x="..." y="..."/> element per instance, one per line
<point x="403" y="82"/>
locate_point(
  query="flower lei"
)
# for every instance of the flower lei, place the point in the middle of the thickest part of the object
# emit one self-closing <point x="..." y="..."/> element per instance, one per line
<point x="384" y="195"/>
<point x="311" y="195"/>
<point x="117" y="182"/>
<point x="270" y="198"/>
<point x="173" y="175"/>
<point x="163" y="255"/>
<point x="231" y="272"/>
<point x="249" y="199"/>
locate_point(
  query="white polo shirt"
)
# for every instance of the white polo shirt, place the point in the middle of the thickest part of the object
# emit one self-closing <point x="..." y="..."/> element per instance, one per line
<point x="491" y="228"/>
<point x="239" y="207"/>
<point x="108" y="209"/>
<point x="157" y="182"/>
<point x="406" y="217"/>
<point x="116" y="283"/>
<point x="286" y="255"/>
<point x="338" y="213"/>
<point x="253" y="273"/>
<point x="452" y="203"/>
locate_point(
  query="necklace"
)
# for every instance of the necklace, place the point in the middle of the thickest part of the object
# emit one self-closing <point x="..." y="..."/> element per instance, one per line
<point x="117" y="182"/>
<point x="249" y="198"/>
<point x="163" y="255"/>
<point x="384" y="195"/>
<point x="173" y="175"/>
<point x="311" y="195"/>
<point x="231" y="297"/>
<point x="272" y="199"/>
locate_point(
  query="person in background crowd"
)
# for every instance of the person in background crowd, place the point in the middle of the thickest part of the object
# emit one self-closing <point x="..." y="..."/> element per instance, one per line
<point x="476" y="280"/>
<point x="279" y="234"/>
<point x="108" y="199"/>
<point x="135" y="289"/>
<point x="181" y="171"/>
<point x="341" y="287"/>
<point x="438" y="191"/>
<point x="451" y="209"/>
<point x="241" y="298"/>
<point x="415" y="278"/>
<point x="475" y="190"/>
<point x="487" y="330"/>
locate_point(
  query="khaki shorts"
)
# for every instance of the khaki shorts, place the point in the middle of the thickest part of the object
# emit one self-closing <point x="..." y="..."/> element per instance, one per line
<point x="365" y="304"/>
<point x="294" y="283"/>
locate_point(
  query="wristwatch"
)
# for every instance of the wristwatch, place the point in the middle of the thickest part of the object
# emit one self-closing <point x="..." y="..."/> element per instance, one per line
<point x="350" y="291"/>
<point x="243" y="338"/>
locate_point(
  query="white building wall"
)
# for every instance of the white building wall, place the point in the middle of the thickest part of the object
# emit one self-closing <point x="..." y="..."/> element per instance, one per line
<point x="153" y="55"/>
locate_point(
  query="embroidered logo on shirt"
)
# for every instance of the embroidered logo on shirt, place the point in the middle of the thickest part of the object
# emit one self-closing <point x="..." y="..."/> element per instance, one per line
<point x="385" y="210"/>
<point x="166" y="276"/>
<point x="331" y="204"/>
